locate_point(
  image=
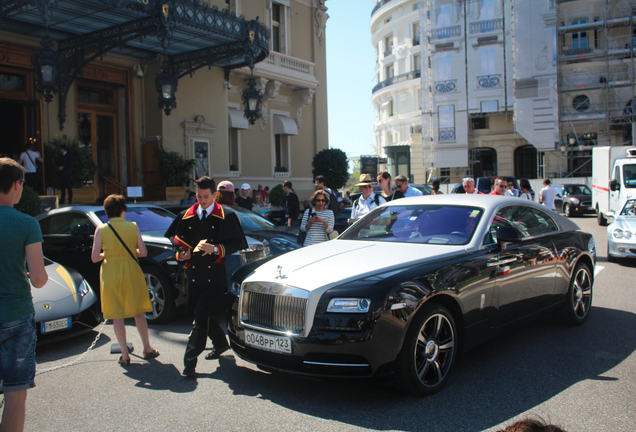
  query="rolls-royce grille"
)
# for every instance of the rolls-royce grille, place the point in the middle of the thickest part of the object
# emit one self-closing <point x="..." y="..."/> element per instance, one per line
<point x="275" y="312"/>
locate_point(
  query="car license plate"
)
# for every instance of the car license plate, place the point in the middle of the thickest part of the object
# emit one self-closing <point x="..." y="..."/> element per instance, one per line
<point x="58" y="324"/>
<point x="279" y="344"/>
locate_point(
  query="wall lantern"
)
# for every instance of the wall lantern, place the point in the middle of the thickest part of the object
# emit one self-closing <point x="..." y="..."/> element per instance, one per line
<point x="166" y="83"/>
<point x="252" y="100"/>
<point x="47" y="67"/>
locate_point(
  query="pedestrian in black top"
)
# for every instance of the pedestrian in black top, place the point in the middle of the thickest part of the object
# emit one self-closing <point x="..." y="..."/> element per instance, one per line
<point x="388" y="193"/>
<point x="292" y="207"/>
<point x="205" y="234"/>
<point x="244" y="200"/>
<point x="65" y="166"/>
<point x="320" y="182"/>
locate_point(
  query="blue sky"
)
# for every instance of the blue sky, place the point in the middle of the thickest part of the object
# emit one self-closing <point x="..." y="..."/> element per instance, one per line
<point x="350" y="76"/>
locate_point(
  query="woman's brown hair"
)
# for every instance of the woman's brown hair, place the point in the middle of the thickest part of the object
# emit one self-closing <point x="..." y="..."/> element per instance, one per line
<point x="115" y="204"/>
<point x="224" y="197"/>
<point x="315" y="195"/>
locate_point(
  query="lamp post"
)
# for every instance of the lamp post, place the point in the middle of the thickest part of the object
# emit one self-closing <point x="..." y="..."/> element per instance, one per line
<point x="166" y="84"/>
<point x="252" y="100"/>
<point x="47" y="67"/>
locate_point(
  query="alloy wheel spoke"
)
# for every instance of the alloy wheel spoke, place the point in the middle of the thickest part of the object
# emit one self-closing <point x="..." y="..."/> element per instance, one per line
<point x="438" y="326"/>
<point x="447" y="346"/>
<point x="421" y="371"/>
<point x="438" y="369"/>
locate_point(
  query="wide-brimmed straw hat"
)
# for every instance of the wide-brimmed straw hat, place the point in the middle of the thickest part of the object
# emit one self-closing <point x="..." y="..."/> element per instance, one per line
<point x="366" y="180"/>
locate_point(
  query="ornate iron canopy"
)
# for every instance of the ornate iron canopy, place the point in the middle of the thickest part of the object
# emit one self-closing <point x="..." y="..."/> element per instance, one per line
<point x="190" y="34"/>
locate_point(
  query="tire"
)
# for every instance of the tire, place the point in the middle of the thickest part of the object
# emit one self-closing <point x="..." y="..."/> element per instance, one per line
<point x="579" y="297"/>
<point x="600" y="218"/>
<point x="567" y="210"/>
<point x="611" y="258"/>
<point x="428" y="354"/>
<point x="161" y="296"/>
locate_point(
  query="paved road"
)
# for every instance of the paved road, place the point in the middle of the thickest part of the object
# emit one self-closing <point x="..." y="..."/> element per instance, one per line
<point x="582" y="378"/>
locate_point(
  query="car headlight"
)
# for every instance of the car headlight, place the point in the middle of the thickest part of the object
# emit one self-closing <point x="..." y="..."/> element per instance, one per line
<point x="627" y="235"/>
<point x="591" y="247"/>
<point x="83" y="289"/>
<point x="235" y="288"/>
<point x="618" y="233"/>
<point x="266" y="248"/>
<point x="574" y="200"/>
<point x="349" y="305"/>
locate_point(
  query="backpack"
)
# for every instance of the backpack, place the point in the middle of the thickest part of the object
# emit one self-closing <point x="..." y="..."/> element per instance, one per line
<point x="334" y="205"/>
<point x="376" y="200"/>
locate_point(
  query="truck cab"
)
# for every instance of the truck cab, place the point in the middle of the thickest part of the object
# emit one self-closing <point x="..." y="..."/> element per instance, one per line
<point x="613" y="179"/>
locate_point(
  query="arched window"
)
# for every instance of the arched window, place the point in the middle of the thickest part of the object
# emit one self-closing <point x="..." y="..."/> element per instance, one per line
<point x="526" y="162"/>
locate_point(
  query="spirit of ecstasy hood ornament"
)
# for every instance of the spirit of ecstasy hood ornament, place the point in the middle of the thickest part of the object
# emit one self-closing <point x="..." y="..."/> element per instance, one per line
<point x="280" y="272"/>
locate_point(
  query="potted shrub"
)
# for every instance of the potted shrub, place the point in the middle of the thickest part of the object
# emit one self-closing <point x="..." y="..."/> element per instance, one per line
<point x="175" y="173"/>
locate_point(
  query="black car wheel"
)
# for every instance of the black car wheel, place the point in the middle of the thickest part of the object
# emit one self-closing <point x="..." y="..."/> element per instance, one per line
<point x="161" y="296"/>
<point x="579" y="298"/>
<point x="567" y="210"/>
<point x="428" y="353"/>
<point x="600" y="218"/>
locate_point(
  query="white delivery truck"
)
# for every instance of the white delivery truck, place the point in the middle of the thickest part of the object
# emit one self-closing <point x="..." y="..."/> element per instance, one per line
<point x="613" y="179"/>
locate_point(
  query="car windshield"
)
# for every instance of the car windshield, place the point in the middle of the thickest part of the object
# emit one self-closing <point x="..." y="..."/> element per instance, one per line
<point x="430" y="224"/>
<point x="629" y="174"/>
<point x="250" y="220"/>
<point x="629" y="209"/>
<point x="146" y="218"/>
<point x="577" y="190"/>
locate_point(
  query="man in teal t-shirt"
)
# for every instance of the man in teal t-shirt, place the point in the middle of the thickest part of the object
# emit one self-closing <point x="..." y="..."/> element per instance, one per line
<point x="21" y="243"/>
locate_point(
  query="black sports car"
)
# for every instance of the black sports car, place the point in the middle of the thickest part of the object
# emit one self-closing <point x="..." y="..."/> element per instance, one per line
<point x="574" y="200"/>
<point x="418" y="281"/>
<point x="68" y="240"/>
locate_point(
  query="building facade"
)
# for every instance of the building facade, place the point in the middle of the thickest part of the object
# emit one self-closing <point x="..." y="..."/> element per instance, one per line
<point x="111" y="100"/>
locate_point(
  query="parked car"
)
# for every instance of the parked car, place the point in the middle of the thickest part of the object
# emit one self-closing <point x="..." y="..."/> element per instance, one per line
<point x="426" y="278"/>
<point x="574" y="200"/>
<point x="621" y="233"/>
<point x="484" y="185"/>
<point x="68" y="239"/>
<point x="64" y="306"/>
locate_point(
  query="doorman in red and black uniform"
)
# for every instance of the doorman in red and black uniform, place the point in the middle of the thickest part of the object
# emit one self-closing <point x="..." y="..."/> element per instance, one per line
<point x="204" y="235"/>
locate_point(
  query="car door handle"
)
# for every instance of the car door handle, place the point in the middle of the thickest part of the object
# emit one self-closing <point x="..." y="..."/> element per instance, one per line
<point x="501" y="262"/>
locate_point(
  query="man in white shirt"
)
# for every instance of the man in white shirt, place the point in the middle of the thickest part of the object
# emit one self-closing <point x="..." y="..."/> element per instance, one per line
<point x="368" y="201"/>
<point x="402" y="184"/>
<point x="28" y="159"/>
<point x="469" y="186"/>
<point x="547" y="194"/>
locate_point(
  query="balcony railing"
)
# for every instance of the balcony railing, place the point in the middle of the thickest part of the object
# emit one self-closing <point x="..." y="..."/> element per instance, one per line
<point x="447" y="134"/>
<point x="447" y="86"/>
<point x="486" y="26"/>
<point x="378" y="5"/>
<point x="446" y="32"/>
<point x="396" y="79"/>
<point x="489" y="81"/>
<point x="290" y="63"/>
<point x="388" y="51"/>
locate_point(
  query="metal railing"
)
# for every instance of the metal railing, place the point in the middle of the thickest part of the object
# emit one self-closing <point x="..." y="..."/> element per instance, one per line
<point x="416" y="129"/>
<point x="447" y="134"/>
<point x="447" y="86"/>
<point x="489" y="81"/>
<point x="446" y="32"/>
<point x="388" y="51"/>
<point x="290" y="63"/>
<point x="378" y="5"/>
<point x="486" y="26"/>
<point x="396" y="79"/>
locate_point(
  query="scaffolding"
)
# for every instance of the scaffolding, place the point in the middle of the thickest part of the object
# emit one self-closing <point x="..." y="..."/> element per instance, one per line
<point x="596" y="49"/>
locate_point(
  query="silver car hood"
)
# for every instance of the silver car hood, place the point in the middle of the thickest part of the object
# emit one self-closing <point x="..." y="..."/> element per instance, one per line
<point x="339" y="261"/>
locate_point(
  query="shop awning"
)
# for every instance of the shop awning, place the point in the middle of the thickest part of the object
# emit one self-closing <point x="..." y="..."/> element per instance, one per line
<point x="284" y="126"/>
<point x="236" y="119"/>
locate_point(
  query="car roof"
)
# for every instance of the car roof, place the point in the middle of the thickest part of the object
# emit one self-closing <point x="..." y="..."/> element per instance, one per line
<point x="87" y="208"/>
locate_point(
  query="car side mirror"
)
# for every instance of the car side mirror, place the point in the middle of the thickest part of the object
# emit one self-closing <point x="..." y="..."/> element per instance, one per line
<point x="508" y="234"/>
<point x="81" y="230"/>
<point x="614" y="185"/>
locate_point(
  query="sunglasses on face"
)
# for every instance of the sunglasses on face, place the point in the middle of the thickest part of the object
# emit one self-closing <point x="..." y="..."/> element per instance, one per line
<point x="468" y="179"/>
<point x="321" y="200"/>
<point x="399" y="185"/>
<point x="501" y="185"/>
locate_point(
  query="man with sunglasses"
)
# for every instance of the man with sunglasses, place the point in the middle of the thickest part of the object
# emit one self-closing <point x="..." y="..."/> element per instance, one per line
<point x="468" y="184"/>
<point x="368" y="201"/>
<point x="500" y="186"/>
<point x="402" y="184"/>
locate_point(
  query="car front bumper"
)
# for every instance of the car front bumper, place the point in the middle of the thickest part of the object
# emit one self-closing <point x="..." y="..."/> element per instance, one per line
<point x="621" y="249"/>
<point x="82" y="322"/>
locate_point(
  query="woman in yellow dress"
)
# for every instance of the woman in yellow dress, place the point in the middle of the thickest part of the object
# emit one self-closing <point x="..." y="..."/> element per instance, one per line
<point x="124" y="293"/>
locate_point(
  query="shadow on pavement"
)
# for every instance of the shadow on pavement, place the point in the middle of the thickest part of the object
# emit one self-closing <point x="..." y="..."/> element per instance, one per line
<point x="490" y="384"/>
<point x="70" y="347"/>
<point x="160" y="376"/>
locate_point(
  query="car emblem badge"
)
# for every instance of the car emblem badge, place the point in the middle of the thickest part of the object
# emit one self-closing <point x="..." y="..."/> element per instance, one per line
<point x="280" y="272"/>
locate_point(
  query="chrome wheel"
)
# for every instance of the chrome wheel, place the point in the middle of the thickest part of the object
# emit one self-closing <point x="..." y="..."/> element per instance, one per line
<point x="435" y="350"/>
<point x="566" y="210"/>
<point x="428" y="353"/>
<point x="157" y="295"/>
<point x="579" y="298"/>
<point x="161" y="296"/>
<point x="582" y="292"/>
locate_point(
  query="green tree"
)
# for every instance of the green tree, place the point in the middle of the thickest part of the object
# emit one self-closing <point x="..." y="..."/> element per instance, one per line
<point x="174" y="168"/>
<point x="277" y="195"/>
<point x="29" y="202"/>
<point x="333" y="164"/>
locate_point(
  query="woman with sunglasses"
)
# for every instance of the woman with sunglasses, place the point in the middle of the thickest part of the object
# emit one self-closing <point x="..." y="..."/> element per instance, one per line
<point x="318" y="222"/>
<point x="384" y="180"/>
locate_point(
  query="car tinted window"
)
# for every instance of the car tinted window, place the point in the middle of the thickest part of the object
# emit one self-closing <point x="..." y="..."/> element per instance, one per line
<point x="529" y="221"/>
<point x="577" y="190"/>
<point x="427" y="224"/>
<point x="250" y="220"/>
<point x="146" y="218"/>
<point x="63" y="223"/>
<point x="629" y="172"/>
